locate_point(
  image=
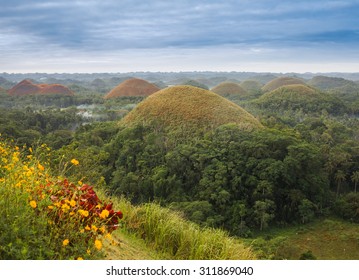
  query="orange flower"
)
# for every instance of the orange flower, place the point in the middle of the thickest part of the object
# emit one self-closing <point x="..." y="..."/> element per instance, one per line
<point x="104" y="214"/>
<point x="41" y="167"/>
<point x="65" y="242"/>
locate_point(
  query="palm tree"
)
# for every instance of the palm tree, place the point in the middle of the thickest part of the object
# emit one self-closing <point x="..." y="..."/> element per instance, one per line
<point x="355" y="179"/>
<point x="339" y="177"/>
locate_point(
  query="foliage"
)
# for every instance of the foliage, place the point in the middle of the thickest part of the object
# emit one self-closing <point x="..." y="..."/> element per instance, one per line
<point x="44" y="218"/>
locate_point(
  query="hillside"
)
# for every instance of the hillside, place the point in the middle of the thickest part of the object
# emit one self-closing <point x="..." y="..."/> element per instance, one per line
<point x="326" y="83"/>
<point x="251" y="85"/>
<point x="27" y="87"/>
<point x="132" y="87"/>
<point x="229" y="89"/>
<point x="282" y="81"/>
<point x="181" y="106"/>
<point x="296" y="97"/>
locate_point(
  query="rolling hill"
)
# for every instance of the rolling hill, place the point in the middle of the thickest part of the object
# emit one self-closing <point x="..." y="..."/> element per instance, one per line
<point x="188" y="106"/>
<point x="297" y="96"/>
<point x="132" y="87"/>
<point x="26" y="87"/>
<point x="282" y="81"/>
<point x="229" y="89"/>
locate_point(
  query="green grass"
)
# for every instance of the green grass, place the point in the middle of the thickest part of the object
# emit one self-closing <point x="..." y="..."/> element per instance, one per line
<point x="173" y="237"/>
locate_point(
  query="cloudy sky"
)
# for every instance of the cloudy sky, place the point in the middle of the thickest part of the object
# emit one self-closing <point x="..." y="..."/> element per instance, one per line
<point x="181" y="35"/>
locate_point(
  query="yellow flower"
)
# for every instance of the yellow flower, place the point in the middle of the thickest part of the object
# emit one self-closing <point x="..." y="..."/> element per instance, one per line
<point x="80" y="259"/>
<point x="75" y="161"/>
<point x="98" y="244"/>
<point x="50" y="207"/>
<point x="33" y="204"/>
<point x="72" y="203"/>
<point x="104" y="214"/>
<point x="102" y="229"/>
<point x="108" y="236"/>
<point x="65" y="242"/>
<point x="94" y="228"/>
<point x="87" y="227"/>
<point x="88" y="251"/>
<point x="80" y="183"/>
<point x="41" y="167"/>
<point x="84" y="213"/>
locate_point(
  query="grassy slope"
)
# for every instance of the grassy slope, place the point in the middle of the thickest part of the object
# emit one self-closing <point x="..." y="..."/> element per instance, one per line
<point x="190" y="106"/>
<point x="328" y="239"/>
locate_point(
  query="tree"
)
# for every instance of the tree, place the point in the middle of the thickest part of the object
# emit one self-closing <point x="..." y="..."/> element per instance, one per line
<point x="306" y="210"/>
<point x="263" y="212"/>
<point x="355" y="179"/>
<point x="339" y="178"/>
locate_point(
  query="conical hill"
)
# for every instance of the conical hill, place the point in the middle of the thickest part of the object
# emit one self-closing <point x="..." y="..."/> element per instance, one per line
<point x="282" y="81"/>
<point x="229" y="88"/>
<point x="132" y="87"/>
<point x="294" y="97"/>
<point x="27" y="87"/>
<point x="188" y="106"/>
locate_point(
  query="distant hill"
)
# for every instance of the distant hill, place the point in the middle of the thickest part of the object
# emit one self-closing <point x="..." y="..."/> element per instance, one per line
<point x="188" y="106"/>
<point x="346" y="90"/>
<point x="5" y="84"/>
<point x="132" y="87"/>
<point x="263" y="78"/>
<point x="251" y="85"/>
<point x="325" y="83"/>
<point x="296" y="97"/>
<point x="229" y="89"/>
<point x="282" y="81"/>
<point x="27" y="87"/>
<point x="195" y="83"/>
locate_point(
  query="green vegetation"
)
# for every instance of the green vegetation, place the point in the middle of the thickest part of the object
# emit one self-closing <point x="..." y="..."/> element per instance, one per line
<point x="196" y="175"/>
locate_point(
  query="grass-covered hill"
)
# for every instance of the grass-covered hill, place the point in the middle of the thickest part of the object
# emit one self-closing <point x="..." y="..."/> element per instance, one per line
<point x="26" y="87"/>
<point x="188" y="106"/>
<point x="132" y="87"/>
<point x="251" y="85"/>
<point x="281" y="81"/>
<point x="300" y="97"/>
<point x="229" y="89"/>
<point x="326" y="83"/>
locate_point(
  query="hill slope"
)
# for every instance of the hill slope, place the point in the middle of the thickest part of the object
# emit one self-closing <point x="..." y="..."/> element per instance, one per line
<point x="132" y="87"/>
<point x="26" y="87"/>
<point x="282" y="81"/>
<point x="182" y="106"/>
<point x="295" y="97"/>
<point x="229" y="88"/>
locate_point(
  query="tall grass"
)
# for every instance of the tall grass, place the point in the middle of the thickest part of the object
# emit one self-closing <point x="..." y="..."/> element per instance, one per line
<point x="167" y="232"/>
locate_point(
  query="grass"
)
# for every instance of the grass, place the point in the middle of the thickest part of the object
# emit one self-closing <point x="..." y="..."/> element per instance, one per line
<point x="329" y="239"/>
<point x="187" y="106"/>
<point x="173" y="237"/>
<point x="132" y="87"/>
<point x="281" y="81"/>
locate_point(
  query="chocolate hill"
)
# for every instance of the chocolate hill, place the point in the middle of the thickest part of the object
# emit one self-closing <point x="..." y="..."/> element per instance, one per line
<point x="282" y="81"/>
<point x="229" y="88"/>
<point x="295" y="97"/>
<point x="132" y="87"/>
<point x="26" y="87"/>
<point x="182" y="106"/>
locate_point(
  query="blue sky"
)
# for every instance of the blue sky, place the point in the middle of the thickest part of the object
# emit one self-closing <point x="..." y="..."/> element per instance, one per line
<point x="164" y="35"/>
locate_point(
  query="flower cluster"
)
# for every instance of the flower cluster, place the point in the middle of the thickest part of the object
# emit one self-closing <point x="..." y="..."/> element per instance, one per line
<point x="77" y="219"/>
<point x="82" y="203"/>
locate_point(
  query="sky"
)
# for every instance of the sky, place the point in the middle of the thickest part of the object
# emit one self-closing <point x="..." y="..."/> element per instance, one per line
<point x="87" y="36"/>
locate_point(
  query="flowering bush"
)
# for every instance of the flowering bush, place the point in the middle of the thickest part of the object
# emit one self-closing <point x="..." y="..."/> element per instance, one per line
<point x="42" y="217"/>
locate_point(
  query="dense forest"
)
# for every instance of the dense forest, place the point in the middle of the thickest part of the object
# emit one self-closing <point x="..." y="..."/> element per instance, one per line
<point x="300" y="164"/>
